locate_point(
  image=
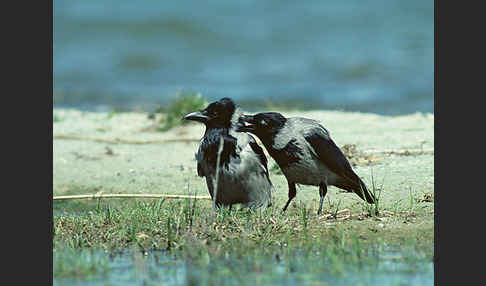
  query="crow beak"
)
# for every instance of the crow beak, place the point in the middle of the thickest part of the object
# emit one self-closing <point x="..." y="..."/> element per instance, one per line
<point x="244" y="124"/>
<point x="196" y="116"/>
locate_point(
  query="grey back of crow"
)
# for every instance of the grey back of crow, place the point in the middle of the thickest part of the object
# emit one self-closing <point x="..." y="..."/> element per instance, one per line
<point x="306" y="154"/>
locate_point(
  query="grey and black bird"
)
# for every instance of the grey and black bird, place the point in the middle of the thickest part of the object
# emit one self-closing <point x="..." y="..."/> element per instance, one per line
<point x="243" y="174"/>
<point x="305" y="153"/>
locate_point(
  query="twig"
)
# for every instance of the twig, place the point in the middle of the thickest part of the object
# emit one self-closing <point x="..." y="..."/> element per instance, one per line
<point x="220" y="150"/>
<point x="97" y="196"/>
<point x="126" y="141"/>
<point x="402" y="152"/>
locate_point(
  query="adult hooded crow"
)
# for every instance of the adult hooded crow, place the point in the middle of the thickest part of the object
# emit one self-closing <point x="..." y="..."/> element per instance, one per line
<point x="306" y="154"/>
<point x="243" y="175"/>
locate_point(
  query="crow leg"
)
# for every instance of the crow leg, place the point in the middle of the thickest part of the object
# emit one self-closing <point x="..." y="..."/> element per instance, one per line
<point x="292" y="193"/>
<point x="322" y="194"/>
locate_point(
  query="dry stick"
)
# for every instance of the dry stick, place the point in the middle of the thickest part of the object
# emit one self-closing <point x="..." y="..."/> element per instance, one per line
<point x="97" y="196"/>
<point x="215" y="192"/>
<point x="126" y="141"/>
<point x="402" y="152"/>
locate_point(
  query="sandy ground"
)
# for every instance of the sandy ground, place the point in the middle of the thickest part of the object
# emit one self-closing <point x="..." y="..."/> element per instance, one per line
<point x="86" y="167"/>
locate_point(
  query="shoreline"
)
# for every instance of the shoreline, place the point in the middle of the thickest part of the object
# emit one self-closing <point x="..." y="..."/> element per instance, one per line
<point x="405" y="180"/>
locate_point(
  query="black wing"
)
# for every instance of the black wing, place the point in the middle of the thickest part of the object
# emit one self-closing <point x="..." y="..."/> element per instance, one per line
<point x="210" y="147"/>
<point x="334" y="159"/>
<point x="200" y="172"/>
<point x="261" y="155"/>
<point x="329" y="153"/>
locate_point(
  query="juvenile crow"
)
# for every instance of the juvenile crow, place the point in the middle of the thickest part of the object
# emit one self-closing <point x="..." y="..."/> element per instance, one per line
<point x="243" y="175"/>
<point x="306" y="154"/>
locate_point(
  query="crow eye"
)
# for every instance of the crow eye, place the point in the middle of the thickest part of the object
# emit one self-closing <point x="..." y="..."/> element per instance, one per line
<point x="212" y="112"/>
<point x="262" y="122"/>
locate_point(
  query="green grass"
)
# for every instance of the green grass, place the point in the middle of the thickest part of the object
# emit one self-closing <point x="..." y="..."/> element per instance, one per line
<point x="183" y="104"/>
<point x="225" y="247"/>
<point x="56" y="118"/>
<point x="112" y="113"/>
<point x="335" y="209"/>
<point x="170" y="224"/>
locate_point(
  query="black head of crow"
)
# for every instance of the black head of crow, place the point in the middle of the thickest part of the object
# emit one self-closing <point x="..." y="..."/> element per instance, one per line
<point x="218" y="114"/>
<point x="305" y="153"/>
<point x="243" y="175"/>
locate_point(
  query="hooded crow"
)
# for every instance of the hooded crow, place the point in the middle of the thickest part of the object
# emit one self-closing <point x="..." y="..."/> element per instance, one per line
<point x="243" y="174"/>
<point x="306" y="154"/>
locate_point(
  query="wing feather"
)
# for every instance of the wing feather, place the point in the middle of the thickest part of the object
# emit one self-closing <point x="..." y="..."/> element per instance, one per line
<point x="329" y="154"/>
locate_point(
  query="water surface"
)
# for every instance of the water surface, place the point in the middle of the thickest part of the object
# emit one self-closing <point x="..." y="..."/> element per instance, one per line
<point x="388" y="266"/>
<point x="376" y="56"/>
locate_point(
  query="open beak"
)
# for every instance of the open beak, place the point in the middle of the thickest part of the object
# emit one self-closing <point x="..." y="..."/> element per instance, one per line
<point x="244" y="124"/>
<point x="196" y="116"/>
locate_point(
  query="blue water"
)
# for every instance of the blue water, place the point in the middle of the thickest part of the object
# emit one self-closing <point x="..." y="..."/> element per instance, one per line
<point x="374" y="56"/>
<point x="157" y="268"/>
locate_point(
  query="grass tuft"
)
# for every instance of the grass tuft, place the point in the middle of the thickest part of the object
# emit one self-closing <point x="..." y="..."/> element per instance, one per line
<point x="56" y="118"/>
<point x="167" y="224"/>
<point x="375" y="208"/>
<point x="183" y="104"/>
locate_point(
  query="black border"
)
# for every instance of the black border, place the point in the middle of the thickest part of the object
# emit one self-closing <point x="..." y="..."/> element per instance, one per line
<point x="50" y="134"/>
<point x="24" y="61"/>
<point x="458" y="163"/>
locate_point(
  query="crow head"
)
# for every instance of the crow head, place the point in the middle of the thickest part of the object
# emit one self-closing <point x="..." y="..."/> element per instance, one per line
<point x="263" y="125"/>
<point x="216" y="115"/>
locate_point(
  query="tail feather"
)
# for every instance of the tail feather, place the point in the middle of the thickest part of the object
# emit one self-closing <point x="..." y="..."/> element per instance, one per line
<point x="357" y="186"/>
<point x="369" y="197"/>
